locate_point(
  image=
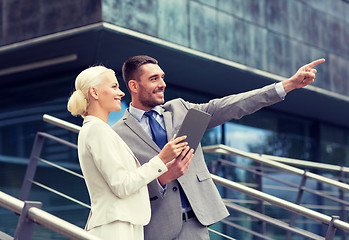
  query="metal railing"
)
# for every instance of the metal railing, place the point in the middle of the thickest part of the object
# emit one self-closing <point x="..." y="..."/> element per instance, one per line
<point x="61" y="123"/>
<point x="332" y="221"/>
<point x="258" y="194"/>
<point x="31" y="214"/>
<point x="319" y="217"/>
<point x="305" y="174"/>
<point x="223" y="149"/>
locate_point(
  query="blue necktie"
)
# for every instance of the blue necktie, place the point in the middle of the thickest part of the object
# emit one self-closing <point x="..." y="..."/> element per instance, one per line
<point x="158" y="133"/>
<point x="160" y="138"/>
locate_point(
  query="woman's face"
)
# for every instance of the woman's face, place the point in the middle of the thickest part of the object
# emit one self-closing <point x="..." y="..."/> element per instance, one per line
<point x="109" y="94"/>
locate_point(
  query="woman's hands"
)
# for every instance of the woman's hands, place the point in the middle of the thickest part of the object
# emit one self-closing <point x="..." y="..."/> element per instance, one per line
<point x="172" y="149"/>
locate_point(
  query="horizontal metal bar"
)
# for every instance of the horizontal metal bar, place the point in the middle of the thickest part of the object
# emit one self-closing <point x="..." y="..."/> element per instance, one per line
<point x="61" y="168"/>
<point x="46" y="219"/>
<point x="280" y="203"/>
<point x="4" y="236"/>
<point x="312" y="206"/>
<point x="304" y="163"/>
<point x="292" y="161"/>
<point x="249" y="169"/>
<point x="59" y="140"/>
<point x="247" y="230"/>
<point x="223" y="149"/>
<point x="61" y="123"/>
<point x="61" y="194"/>
<point x="221" y="234"/>
<point x="272" y="221"/>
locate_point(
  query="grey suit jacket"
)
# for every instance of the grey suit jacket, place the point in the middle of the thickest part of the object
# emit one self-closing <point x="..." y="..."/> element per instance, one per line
<point x="204" y="198"/>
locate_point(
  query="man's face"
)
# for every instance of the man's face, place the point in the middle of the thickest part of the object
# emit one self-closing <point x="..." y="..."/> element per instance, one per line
<point x="151" y="91"/>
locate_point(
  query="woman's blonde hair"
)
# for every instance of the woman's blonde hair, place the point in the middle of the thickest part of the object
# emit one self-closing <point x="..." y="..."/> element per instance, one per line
<point x="90" y="77"/>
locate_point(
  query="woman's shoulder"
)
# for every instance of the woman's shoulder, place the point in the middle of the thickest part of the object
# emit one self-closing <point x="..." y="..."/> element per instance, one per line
<point x="95" y="126"/>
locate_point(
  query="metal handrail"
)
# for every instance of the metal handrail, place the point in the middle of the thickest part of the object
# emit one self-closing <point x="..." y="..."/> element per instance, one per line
<point x="323" y="194"/>
<point x="304" y="163"/>
<point x="46" y="219"/>
<point x="61" y="123"/>
<point x="281" y="203"/>
<point x="223" y="149"/>
<point x="257" y="216"/>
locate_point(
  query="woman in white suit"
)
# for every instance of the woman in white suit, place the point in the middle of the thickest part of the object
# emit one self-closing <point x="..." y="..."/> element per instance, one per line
<point x="116" y="182"/>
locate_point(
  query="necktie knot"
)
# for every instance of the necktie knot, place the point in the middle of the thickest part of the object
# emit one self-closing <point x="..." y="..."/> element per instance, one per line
<point x="149" y="113"/>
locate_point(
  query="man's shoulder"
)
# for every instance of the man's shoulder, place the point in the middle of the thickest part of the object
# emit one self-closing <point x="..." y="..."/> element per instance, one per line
<point x="174" y="104"/>
<point x="121" y="122"/>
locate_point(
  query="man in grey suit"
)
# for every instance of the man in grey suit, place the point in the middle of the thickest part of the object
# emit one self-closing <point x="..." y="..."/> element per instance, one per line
<point x="183" y="205"/>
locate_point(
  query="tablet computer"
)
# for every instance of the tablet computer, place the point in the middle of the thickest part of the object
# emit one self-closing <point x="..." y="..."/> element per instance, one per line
<point x="194" y="126"/>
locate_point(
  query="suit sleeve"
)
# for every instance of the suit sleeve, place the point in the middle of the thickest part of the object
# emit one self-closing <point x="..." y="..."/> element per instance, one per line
<point x="117" y="165"/>
<point x="237" y="105"/>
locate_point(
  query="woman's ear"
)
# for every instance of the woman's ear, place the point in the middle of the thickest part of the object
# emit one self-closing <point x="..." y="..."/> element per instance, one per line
<point x="93" y="93"/>
<point x="133" y="86"/>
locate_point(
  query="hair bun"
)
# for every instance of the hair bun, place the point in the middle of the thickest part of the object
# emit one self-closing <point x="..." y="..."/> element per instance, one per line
<point x="77" y="103"/>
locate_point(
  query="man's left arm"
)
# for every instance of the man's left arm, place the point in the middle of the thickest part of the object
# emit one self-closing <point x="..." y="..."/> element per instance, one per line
<point x="238" y="105"/>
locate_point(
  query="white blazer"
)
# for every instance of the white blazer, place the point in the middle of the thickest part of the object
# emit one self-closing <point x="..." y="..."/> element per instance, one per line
<point x="116" y="182"/>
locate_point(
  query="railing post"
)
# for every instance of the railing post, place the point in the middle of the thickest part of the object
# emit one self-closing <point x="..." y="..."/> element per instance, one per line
<point x="25" y="227"/>
<point x="331" y="229"/>
<point x="298" y="201"/>
<point x="32" y="165"/>
<point x="217" y="167"/>
<point x="342" y="205"/>
<point x="259" y="179"/>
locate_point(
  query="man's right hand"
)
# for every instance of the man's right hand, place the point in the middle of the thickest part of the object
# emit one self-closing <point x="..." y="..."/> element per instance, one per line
<point x="177" y="167"/>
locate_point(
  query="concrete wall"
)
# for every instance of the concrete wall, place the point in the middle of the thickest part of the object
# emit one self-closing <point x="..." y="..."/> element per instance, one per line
<point x="26" y="19"/>
<point x="277" y="36"/>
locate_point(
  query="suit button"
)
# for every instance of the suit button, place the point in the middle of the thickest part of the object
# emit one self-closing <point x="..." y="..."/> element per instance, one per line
<point x="159" y="170"/>
<point x="174" y="189"/>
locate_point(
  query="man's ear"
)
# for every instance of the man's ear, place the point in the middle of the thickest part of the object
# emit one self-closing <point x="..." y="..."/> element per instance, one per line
<point x="93" y="93"/>
<point x="133" y="86"/>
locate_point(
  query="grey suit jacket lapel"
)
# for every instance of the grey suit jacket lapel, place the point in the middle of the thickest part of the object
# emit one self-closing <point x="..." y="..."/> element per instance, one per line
<point x="168" y="123"/>
<point x="134" y="125"/>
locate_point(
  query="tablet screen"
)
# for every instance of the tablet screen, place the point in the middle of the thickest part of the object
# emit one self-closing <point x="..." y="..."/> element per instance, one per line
<point x="194" y="126"/>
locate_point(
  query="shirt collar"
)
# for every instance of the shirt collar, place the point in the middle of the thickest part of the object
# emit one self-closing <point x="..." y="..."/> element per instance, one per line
<point x="138" y="113"/>
<point x="90" y="118"/>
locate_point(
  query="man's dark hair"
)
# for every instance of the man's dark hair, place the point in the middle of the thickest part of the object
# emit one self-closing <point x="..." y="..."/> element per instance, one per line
<point x="131" y="66"/>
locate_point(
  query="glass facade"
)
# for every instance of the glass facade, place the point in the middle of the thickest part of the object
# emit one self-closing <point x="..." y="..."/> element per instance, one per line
<point x="265" y="132"/>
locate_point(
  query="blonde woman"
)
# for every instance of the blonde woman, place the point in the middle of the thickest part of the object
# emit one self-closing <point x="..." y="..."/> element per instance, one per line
<point x="116" y="182"/>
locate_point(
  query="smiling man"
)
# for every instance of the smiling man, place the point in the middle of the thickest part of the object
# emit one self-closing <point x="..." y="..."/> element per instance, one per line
<point x="147" y="87"/>
<point x="183" y="205"/>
